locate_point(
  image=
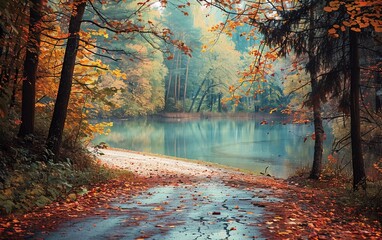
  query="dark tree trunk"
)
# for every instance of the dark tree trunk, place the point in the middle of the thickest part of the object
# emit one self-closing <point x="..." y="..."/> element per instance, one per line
<point x="196" y="95"/>
<point x="201" y="100"/>
<point x="30" y="69"/>
<point x="359" y="176"/>
<point x="219" y="102"/>
<point x="316" y="105"/>
<point x="61" y="106"/>
<point x="185" y="84"/>
<point x="319" y="139"/>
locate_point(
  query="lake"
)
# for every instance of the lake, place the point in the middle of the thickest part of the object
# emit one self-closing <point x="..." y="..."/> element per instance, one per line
<point x="239" y="143"/>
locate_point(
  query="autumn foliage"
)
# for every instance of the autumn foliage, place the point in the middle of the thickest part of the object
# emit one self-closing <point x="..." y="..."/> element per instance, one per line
<point x="292" y="57"/>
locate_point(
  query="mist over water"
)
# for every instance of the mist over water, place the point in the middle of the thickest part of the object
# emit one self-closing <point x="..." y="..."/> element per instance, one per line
<point x="244" y="144"/>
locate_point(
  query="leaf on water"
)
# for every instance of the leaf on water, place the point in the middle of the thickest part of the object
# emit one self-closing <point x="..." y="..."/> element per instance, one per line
<point x="160" y="208"/>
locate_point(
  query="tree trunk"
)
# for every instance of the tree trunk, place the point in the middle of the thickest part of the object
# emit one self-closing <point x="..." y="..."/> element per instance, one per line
<point x="170" y="78"/>
<point x="30" y="69"/>
<point x="359" y="176"/>
<point x="179" y="77"/>
<point x="176" y="79"/>
<point x="211" y="92"/>
<point x="316" y="105"/>
<point x="63" y="95"/>
<point x="219" y="102"/>
<point x="196" y="95"/>
<point x="185" y="84"/>
<point x="319" y="138"/>
<point x="201" y="100"/>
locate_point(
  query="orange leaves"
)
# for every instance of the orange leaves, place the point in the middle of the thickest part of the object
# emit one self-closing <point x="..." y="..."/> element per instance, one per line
<point x="378" y="166"/>
<point x="271" y="56"/>
<point x="328" y="9"/>
<point x="332" y="31"/>
<point x="170" y="57"/>
<point x="332" y="159"/>
<point x="231" y="89"/>
<point x="333" y="6"/>
<point x="362" y="14"/>
<point x="163" y="3"/>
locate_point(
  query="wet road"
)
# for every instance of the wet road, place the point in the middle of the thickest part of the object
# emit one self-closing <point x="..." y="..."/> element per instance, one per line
<point x="207" y="210"/>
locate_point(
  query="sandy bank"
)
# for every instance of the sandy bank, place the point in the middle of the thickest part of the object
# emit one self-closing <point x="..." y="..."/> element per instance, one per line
<point x="157" y="166"/>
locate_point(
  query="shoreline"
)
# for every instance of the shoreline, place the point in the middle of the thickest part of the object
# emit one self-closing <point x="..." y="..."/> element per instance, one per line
<point x="151" y="164"/>
<point x="183" y="116"/>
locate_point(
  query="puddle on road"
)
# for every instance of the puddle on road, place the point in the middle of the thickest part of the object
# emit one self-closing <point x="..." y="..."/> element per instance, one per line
<point x="204" y="211"/>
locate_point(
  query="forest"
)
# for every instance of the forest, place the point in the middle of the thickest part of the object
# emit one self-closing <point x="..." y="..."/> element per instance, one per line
<point x="68" y="68"/>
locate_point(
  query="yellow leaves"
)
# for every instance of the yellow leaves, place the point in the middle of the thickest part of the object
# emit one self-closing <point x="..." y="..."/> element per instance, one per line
<point x="100" y="128"/>
<point x="159" y="208"/>
<point x="204" y="48"/>
<point x="117" y="73"/>
<point x="100" y="32"/>
<point x="273" y="110"/>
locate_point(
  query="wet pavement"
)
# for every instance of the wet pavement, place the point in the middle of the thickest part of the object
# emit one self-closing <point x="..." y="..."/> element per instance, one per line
<point x="207" y="210"/>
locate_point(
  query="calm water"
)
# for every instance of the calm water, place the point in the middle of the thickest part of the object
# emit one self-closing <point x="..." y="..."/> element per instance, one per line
<point x="243" y="144"/>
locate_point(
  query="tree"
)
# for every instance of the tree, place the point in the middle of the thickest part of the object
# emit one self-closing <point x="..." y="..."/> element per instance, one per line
<point x="30" y="68"/>
<point x="283" y="26"/>
<point x="61" y="105"/>
<point x="183" y="71"/>
<point x="315" y="101"/>
<point x="133" y="23"/>
<point x="12" y="41"/>
<point x="359" y="176"/>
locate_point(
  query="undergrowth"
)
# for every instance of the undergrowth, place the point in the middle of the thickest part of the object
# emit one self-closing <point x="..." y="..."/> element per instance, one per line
<point x="30" y="179"/>
<point x="368" y="202"/>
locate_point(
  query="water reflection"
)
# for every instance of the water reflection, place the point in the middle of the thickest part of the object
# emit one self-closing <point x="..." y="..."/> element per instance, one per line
<point x="238" y="143"/>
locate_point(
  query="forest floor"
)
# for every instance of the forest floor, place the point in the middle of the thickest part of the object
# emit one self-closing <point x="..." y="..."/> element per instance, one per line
<point x="175" y="199"/>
